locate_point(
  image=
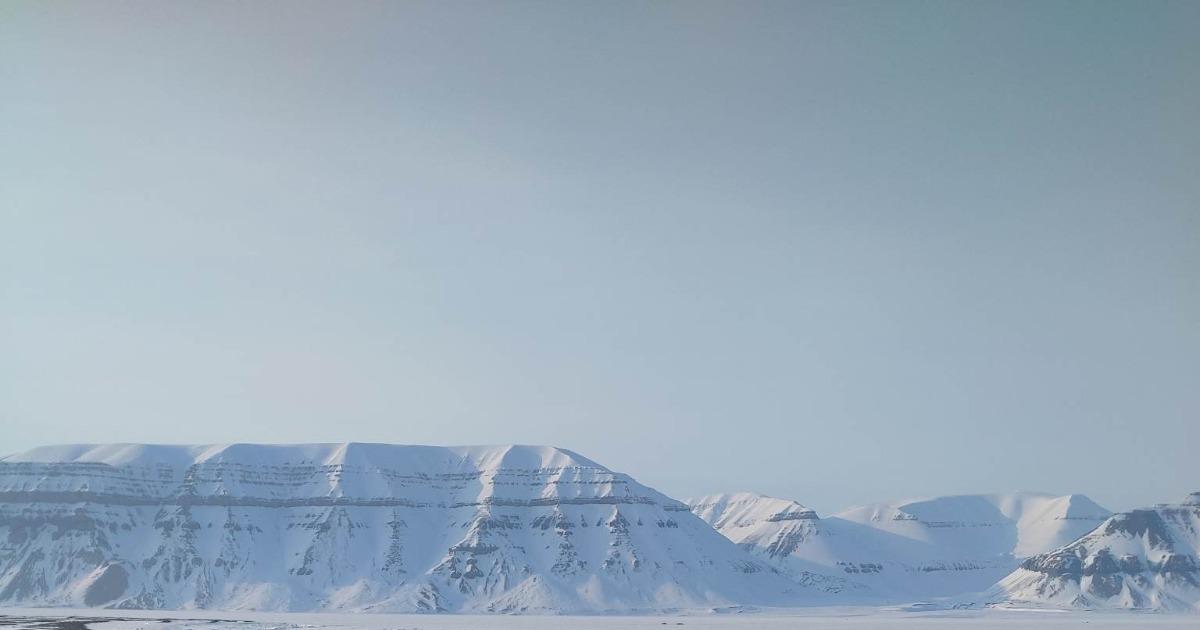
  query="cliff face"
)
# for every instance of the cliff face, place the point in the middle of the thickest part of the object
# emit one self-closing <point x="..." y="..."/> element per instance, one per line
<point x="1140" y="559"/>
<point x="359" y="527"/>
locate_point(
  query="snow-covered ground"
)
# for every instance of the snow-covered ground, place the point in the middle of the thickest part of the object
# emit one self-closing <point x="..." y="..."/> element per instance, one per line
<point x="859" y="618"/>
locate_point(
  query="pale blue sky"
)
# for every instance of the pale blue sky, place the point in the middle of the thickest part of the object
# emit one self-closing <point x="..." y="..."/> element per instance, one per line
<point x="837" y="252"/>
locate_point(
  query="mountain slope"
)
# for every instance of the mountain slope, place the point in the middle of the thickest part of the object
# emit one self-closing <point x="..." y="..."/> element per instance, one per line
<point x="1140" y="559"/>
<point x="908" y="549"/>
<point x="359" y="527"/>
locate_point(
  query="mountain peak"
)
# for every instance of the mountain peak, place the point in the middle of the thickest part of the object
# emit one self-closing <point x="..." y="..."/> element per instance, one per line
<point x="744" y="509"/>
<point x="1145" y="558"/>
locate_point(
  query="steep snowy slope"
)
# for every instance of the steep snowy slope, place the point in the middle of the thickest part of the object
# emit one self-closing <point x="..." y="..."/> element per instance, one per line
<point x="360" y="527"/>
<point x="909" y="549"/>
<point x="740" y="510"/>
<point x="1140" y="559"/>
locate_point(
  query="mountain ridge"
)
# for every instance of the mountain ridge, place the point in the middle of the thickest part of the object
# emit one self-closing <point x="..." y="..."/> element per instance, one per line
<point x="913" y="548"/>
<point x="1143" y="558"/>
<point x="352" y="526"/>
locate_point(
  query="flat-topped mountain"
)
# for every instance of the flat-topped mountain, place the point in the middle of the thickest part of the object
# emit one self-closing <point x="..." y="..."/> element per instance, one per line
<point x="1148" y="558"/>
<point x="371" y="527"/>
<point x="905" y="549"/>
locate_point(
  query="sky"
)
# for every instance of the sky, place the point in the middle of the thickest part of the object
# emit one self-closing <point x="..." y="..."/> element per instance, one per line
<point x="838" y="252"/>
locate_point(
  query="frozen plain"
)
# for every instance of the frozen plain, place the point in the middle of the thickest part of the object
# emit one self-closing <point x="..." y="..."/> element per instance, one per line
<point x="858" y="618"/>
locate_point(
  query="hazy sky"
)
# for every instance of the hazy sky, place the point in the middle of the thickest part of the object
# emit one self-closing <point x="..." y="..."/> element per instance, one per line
<point x="837" y="252"/>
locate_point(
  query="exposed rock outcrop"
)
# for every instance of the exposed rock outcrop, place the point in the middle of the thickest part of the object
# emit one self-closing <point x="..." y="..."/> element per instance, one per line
<point x="1144" y="558"/>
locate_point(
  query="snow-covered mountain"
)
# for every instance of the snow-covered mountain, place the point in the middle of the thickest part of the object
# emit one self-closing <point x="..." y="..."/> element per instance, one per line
<point x="908" y="549"/>
<point x="359" y="527"/>
<point x="1146" y="558"/>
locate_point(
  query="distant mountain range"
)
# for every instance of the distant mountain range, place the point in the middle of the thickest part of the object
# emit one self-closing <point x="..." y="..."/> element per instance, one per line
<point x="919" y="548"/>
<point x="533" y="529"/>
